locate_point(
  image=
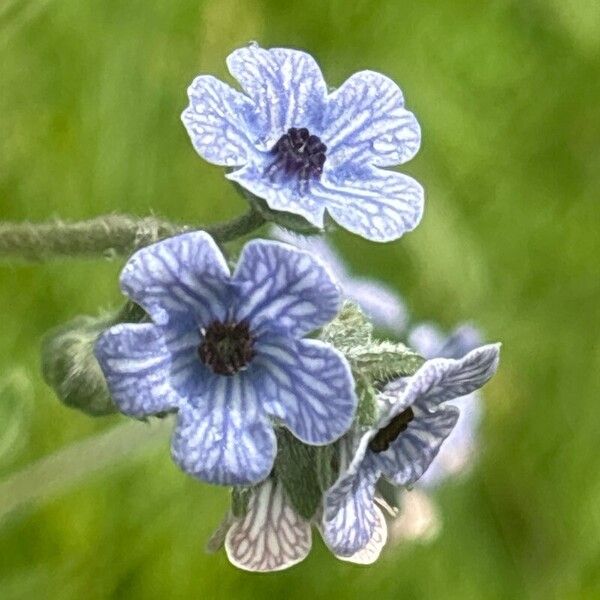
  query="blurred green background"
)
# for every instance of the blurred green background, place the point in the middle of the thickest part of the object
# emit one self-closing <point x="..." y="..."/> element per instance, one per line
<point x="508" y="96"/>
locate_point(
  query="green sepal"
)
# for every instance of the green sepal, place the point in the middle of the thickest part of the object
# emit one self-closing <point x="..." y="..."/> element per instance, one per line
<point x="240" y="496"/>
<point x="350" y="328"/>
<point x="384" y="361"/>
<point x="69" y="365"/>
<point x="366" y="413"/>
<point x="390" y="493"/>
<point x="296" y="468"/>
<point x="325" y="466"/>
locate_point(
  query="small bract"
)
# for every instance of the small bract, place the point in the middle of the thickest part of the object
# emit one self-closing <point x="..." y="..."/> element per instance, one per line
<point x="225" y="352"/>
<point x="305" y="150"/>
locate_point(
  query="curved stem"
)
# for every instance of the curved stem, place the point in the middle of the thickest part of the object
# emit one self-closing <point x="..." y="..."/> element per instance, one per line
<point x="109" y="235"/>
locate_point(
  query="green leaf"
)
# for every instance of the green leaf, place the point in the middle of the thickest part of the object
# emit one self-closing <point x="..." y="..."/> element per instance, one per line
<point x="296" y="468"/>
<point x="326" y="473"/>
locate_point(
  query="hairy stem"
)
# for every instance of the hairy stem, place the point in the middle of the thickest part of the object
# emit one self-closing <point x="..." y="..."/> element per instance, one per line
<point x="109" y="235"/>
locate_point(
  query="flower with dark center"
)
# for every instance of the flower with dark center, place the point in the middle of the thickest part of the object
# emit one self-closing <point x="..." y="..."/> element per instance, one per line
<point x="298" y="154"/>
<point x="226" y="347"/>
<point x="308" y="151"/>
<point x="227" y="353"/>
<point x="402" y="444"/>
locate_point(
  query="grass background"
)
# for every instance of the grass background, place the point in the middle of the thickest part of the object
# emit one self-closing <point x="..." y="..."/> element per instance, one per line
<point x="508" y="95"/>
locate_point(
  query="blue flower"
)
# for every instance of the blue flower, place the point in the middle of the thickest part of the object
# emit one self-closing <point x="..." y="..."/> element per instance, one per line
<point x="378" y="301"/>
<point x="459" y="448"/>
<point x="225" y="352"/>
<point x="305" y="150"/>
<point x="403" y="443"/>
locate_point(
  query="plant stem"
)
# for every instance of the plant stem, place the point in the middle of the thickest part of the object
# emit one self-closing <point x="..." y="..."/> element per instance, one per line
<point x="109" y="235"/>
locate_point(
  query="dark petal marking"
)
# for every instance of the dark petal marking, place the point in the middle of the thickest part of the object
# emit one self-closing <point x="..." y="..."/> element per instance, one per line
<point x="384" y="437"/>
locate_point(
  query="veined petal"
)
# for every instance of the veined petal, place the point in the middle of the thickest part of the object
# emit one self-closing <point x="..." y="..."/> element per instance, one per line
<point x="307" y="384"/>
<point x="442" y="379"/>
<point x="287" y="88"/>
<point x="411" y="453"/>
<point x="183" y="278"/>
<point x="271" y="536"/>
<point x="318" y="246"/>
<point x="457" y="451"/>
<point x="285" y="286"/>
<point x="225" y="438"/>
<point x="370" y="553"/>
<point x="375" y="204"/>
<point x="217" y="122"/>
<point x="366" y="123"/>
<point x="136" y="364"/>
<point x="282" y="195"/>
<point x="350" y="516"/>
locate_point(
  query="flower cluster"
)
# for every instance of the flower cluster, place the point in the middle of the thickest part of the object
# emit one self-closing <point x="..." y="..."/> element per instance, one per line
<point x="274" y="390"/>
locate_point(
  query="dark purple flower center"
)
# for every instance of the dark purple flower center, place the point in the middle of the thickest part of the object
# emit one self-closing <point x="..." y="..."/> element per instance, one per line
<point x="227" y="347"/>
<point x="384" y="437"/>
<point x="298" y="154"/>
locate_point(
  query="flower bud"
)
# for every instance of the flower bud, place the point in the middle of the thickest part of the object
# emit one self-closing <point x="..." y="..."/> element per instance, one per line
<point x="70" y="368"/>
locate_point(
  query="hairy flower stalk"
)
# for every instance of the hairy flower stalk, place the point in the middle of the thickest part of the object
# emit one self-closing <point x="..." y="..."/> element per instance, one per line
<point x="110" y="235"/>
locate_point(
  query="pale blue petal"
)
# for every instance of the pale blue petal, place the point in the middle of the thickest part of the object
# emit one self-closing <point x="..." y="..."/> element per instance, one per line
<point x="443" y="379"/>
<point x="136" y="365"/>
<point x="411" y="453"/>
<point x="318" y="246"/>
<point x="226" y="438"/>
<point x="461" y="341"/>
<point x="285" y="286"/>
<point x="287" y="88"/>
<point x="282" y="195"/>
<point x="180" y="279"/>
<point x="457" y="451"/>
<point x="371" y="551"/>
<point x="375" y="204"/>
<point x="217" y="122"/>
<point x="366" y="123"/>
<point x="427" y="339"/>
<point x="350" y="516"/>
<point x="379" y="302"/>
<point x="307" y="385"/>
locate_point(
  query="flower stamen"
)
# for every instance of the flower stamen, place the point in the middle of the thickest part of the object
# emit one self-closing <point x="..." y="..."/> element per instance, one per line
<point x="384" y="437"/>
<point x="227" y="347"/>
<point x="298" y="154"/>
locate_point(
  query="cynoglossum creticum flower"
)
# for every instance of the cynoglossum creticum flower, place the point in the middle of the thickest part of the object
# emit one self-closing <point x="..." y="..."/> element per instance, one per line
<point x="379" y="302"/>
<point x="225" y="351"/>
<point x="402" y="444"/>
<point x="459" y="448"/>
<point x="272" y="536"/>
<point x="305" y="150"/>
